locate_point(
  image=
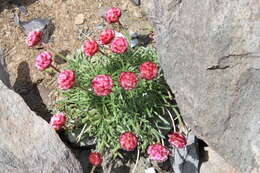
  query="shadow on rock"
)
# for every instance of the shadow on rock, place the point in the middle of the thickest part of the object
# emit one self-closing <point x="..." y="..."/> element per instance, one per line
<point x="29" y="91"/>
<point x="9" y="4"/>
<point x="4" y="75"/>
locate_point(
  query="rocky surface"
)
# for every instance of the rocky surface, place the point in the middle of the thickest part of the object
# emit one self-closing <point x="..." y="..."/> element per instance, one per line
<point x="210" y="53"/>
<point x="214" y="163"/>
<point x="28" y="144"/>
<point x="186" y="159"/>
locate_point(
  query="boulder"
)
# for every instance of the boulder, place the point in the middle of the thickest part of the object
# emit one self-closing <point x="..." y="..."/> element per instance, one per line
<point x="213" y="163"/>
<point x="27" y="143"/>
<point x="210" y="53"/>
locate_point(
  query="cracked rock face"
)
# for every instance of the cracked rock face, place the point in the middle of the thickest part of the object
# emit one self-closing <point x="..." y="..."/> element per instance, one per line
<point x="210" y="53"/>
<point x="27" y="143"/>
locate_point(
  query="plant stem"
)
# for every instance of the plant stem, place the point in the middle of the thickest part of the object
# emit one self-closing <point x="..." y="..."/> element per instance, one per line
<point x="103" y="53"/>
<point x="93" y="169"/>
<point x="173" y="124"/>
<point x="55" y="68"/>
<point x="77" y="85"/>
<point x="122" y="27"/>
<point x="136" y="162"/>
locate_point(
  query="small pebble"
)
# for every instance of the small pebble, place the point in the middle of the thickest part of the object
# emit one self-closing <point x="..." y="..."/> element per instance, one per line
<point x="150" y="170"/>
<point x="134" y="43"/>
<point x="100" y="26"/>
<point x="133" y="34"/>
<point x="136" y="2"/>
<point x="79" y="19"/>
<point x="23" y="10"/>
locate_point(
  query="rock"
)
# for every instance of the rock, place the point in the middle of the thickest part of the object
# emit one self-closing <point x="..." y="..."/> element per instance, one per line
<point x="28" y="144"/>
<point x="100" y="26"/>
<point x="132" y="34"/>
<point x="79" y="19"/>
<point x="210" y="53"/>
<point x="214" y="163"/>
<point x="150" y="170"/>
<point x="23" y="10"/>
<point x="134" y="42"/>
<point x="40" y="24"/>
<point x="72" y="136"/>
<point x="187" y="159"/>
<point x="136" y="2"/>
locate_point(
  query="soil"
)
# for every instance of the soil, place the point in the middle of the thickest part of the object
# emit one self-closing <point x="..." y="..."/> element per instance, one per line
<point x="72" y="20"/>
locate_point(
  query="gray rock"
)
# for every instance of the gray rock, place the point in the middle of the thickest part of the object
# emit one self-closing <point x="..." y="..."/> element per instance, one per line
<point x="28" y="144"/>
<point x="210" y="53"/>
<point x="187" y="159"/>
<point x="136" y="2"/>
<point x="38" y="24"/>
<point x="84" y="141"/>
<point x="134" y="42"/>
<point x="132" y="34"/>
<point x="214" y="163"/>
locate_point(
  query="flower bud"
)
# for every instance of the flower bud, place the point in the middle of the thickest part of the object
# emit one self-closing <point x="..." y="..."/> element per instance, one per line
<point x="158" y="153"/>
<point x="119" y="45"/>
<point x="34" y="38"/>
<point x="95" y="158"/>
<point x="148" y="70"/>
<point x="43" y="60"/>
<point x="106" y="36"/>
<point x="66" y="79"/>
<point x="128" y="141"/>
<point x="177" y="140"/>
<point x="127" y="80"/>
<point x="113" y="15"/>
<point x="102" y="85"/>
<point x="57" y="121"/>
<point x="90" y="48"/>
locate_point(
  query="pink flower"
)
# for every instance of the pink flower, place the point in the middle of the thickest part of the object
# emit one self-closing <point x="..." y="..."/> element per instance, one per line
<point x="95" y="158"/>
<point x="128" y="141"/>
<point x="177" y="140"/>
<point x="106" y="36"/>
<point x="157" y="152"/>
<point x="43" y="60"/>
<point x="66" y="79"/>
<point x="127" y="80"/>
<point x="90" y="48"/>
<point x="57" y="121"/>
<point x="33" y="38"/>
<point x="113" y="15"/>
<point x="148" y="70"/>
<point x="102" y="85"/>
<point x="119" y="45"/>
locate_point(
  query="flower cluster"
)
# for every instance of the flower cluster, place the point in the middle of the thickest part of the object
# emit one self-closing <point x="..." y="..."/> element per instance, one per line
<point x="113" y="15"/>
<point x="43" y="60"/>
<point x="177" y="140"/>
<point x="102" y="85"/>
<point x="57" y="121"/>
<point x="148" y="70"/>
<point x="95" y="158"/>
<point x="106" y="36"/>
<point x="128" y="141"/>
<point x="66" y="79"/>
<point x="34" y="38"/>
<point x="90" y="47"/>
<point x="127" y="80"/>
<point x="158" y="152"/>
<point x="114" y="83"/>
